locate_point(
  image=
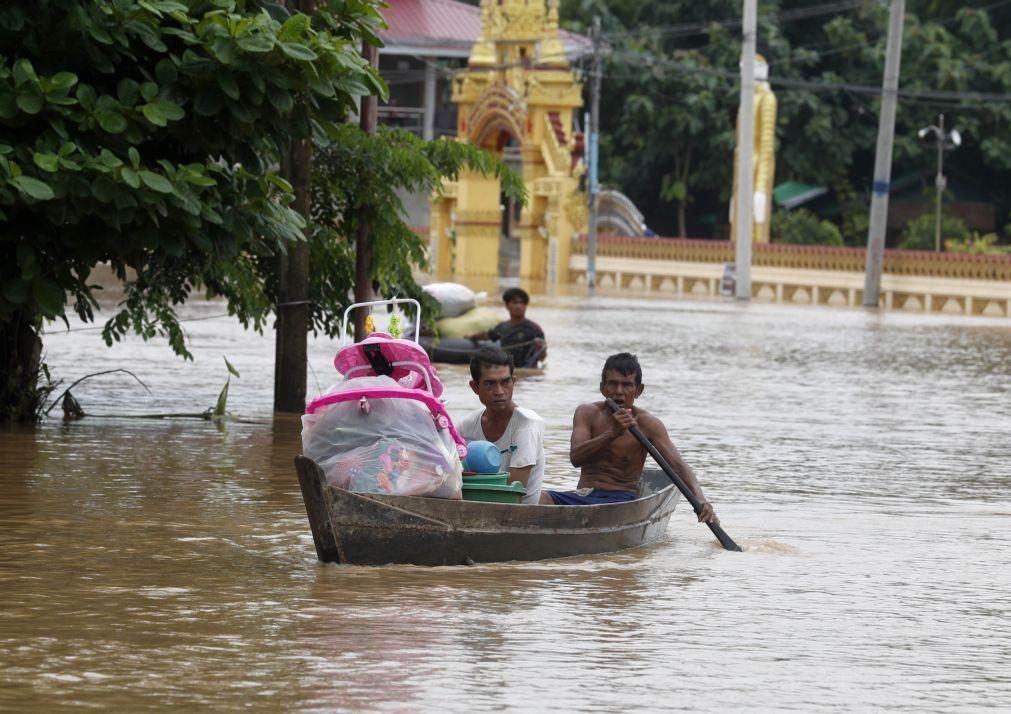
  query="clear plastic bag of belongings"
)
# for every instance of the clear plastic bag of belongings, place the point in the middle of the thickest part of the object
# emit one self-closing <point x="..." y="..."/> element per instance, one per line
<point x="480" y="319"/>
<point x="454" y="299"/>
<point x="382" y="445"/>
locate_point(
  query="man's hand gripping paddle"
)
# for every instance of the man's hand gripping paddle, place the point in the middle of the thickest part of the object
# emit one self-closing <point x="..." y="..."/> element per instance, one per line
<point x="721" y="535"/>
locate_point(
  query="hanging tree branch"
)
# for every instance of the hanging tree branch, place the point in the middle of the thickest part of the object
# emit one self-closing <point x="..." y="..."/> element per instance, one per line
<point x="88" y="376"/>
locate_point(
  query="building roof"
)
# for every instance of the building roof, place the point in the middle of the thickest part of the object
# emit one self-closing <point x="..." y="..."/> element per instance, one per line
<point x="443" y="28"/>
<point x="791" y="194"/>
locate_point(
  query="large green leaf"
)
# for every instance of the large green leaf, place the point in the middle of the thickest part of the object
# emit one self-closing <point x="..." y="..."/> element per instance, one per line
<point x="258" y="43"/>
<point x="63" y="80"/>
<point x="156" y="182"/>
<point x="165" y="71"/>
<point x="154" y="115"/>
<point x="111" y="121"/>
<point x="128" y="92"/>
<point x="299" y="52"/>
<point x="24" y="73"/>
<point x="30" y="101"/>
<point x="222" y="402"/>
<point x="33" y="188"/>
<point x="228" y="85"/>
<point x="131" y="178"/>
<point x="49" y="296"/>
<point x="231" y="369"/>
<point x="46" y="161"/>
<point x="280" y="99"/>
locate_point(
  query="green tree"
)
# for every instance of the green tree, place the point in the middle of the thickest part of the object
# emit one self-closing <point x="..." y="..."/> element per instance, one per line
<point x="356" y="179"/>
<point x="150" y="134"/>
<point x="803" y="228"/>
<point x="670" y="126"/>
<point x="826" y="64"/>
<point x="921" y="232"/>
<point x="147" y="134"/>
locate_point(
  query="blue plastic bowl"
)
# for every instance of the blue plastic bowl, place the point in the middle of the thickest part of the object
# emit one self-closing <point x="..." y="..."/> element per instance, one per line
<point x="483" y="457"/>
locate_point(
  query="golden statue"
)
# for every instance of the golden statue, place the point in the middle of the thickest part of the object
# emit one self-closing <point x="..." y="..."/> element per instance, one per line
<point x="763" y="157"/>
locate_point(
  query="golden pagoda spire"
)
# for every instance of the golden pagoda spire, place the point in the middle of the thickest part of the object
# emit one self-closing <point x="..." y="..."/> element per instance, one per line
<point x="483" y="51"/>
<point x="552" y="51"/>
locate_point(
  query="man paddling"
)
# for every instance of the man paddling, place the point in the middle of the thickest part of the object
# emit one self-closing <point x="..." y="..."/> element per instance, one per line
<point x="521" y="338"/>
<point x="609" y="457"/>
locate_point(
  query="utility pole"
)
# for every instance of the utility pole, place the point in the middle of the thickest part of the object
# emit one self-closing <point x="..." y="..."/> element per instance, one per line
<point x="939" y="182"/>
<point x="745" y="153"/>
<point x="292" y="309"/>
<point x="594" y="131"/>
<point x="363" y="241"/>
<point x="883" y="158"/>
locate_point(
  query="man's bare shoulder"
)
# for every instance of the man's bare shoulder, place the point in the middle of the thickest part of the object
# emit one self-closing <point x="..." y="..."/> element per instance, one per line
<point x="588" y="410"/>
<point x="649" y="423"/>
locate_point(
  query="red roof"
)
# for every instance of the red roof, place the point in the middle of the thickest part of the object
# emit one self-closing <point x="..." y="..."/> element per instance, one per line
<point x="441" y="28"/>
<point x="435" y="24"/>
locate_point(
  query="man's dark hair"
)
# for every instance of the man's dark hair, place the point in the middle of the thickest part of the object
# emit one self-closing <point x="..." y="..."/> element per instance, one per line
<point x="516" y="294"/>
<point x="491" y="356"/>
<point x="623" y="363"/>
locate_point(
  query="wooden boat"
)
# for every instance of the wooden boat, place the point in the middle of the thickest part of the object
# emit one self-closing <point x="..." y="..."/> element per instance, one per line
<point x="371" y="529"/>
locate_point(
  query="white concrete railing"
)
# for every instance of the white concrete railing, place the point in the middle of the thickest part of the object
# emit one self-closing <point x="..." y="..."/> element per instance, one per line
<point x="921" y="293"/>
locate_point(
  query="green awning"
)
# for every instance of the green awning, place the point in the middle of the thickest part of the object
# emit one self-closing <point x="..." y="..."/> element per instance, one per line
<point x="792" y="194"/>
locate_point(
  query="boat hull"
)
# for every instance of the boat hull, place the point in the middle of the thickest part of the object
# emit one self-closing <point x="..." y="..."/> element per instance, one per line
<point x="369" y="529"/>
<point x="452" y="350"/>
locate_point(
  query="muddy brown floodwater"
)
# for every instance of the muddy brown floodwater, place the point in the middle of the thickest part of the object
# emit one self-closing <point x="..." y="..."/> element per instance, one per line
<point x="862" y="460"/>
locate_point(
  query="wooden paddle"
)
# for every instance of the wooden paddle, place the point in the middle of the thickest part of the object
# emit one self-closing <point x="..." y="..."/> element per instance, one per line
<point x="721" y="535"/>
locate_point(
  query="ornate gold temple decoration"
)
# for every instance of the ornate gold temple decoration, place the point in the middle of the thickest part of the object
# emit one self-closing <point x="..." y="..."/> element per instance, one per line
<point x="517" y="90"/>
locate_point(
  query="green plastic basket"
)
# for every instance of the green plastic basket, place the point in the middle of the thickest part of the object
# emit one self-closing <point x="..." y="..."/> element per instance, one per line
<point x="494" y="492"/>
<point x="500" y="478"/>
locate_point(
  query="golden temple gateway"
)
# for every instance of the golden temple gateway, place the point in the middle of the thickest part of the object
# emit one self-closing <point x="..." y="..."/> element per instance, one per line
<point x="518" y="91"/>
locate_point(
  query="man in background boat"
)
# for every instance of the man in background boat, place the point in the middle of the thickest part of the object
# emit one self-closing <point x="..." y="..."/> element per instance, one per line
<point x="521" y="338"/>
<point x="610" y="459"/>
<point x="517" y="432"/>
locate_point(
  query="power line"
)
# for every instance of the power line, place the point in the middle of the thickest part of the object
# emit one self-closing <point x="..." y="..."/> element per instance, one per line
<point x="688" y="29"/>
<point x="646" y="61"/>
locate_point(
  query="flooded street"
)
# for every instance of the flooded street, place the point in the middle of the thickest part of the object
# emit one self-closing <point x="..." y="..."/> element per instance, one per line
<point x="861" y="459"/>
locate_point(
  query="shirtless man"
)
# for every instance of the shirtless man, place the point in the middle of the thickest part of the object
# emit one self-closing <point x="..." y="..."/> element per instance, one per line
<point x="609" y="457"/>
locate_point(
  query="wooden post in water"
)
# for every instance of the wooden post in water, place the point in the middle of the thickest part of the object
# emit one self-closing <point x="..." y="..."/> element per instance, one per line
<point x="293" y="279"/>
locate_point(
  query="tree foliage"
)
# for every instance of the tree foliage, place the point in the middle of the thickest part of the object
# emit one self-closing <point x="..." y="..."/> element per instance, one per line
<point x="670" y="95"/>
<point x="356" y="180"/>
<point x="146" y="133"/>
<point x="921" y="232"/>
<point x="149" y="134"/>
<point x="802" y="227"/>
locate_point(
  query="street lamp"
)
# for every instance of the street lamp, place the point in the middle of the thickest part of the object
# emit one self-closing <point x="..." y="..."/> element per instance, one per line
<point x="943" y="142"/>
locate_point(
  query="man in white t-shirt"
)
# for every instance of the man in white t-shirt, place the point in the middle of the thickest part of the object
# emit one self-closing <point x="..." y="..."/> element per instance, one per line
<point x="517" y="432"/>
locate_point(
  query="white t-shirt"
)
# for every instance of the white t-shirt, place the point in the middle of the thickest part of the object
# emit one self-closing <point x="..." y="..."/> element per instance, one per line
<point x="523" y="441"/>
